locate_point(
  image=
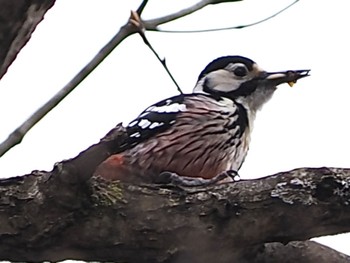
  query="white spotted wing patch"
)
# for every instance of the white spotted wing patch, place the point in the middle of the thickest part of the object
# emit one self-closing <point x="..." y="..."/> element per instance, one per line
<point x="168" y="108"/>
<point x="135" y="134"/>
<point x="144" y="123"/>
<point x="156" y="124"/>
<point x="156" y="118"/>
<point x="133" y="123"/>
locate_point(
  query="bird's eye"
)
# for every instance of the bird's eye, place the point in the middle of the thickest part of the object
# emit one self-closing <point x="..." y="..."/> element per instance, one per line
<point x="240" y="71"/>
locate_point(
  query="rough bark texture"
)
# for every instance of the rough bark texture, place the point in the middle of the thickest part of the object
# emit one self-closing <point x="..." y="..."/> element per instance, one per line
<point x="67" y="214"/>
<point x="18" y="20"/>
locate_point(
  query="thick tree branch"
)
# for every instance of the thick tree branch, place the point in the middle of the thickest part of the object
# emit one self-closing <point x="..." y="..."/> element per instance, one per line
<point x="297" y="251"/>
<point x="46" y="218"/>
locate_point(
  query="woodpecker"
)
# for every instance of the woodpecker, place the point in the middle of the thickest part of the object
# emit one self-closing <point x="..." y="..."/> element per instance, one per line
<point x="198" y="137"/>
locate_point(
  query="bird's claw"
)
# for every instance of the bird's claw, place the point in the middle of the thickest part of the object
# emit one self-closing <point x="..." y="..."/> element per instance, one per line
<point x="232" y="174"/>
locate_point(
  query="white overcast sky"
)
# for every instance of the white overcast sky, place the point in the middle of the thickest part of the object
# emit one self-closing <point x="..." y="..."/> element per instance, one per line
<point x="303" y="126"/>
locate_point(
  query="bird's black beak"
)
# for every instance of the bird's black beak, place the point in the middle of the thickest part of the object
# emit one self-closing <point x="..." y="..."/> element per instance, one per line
<point x="290" y="76"/>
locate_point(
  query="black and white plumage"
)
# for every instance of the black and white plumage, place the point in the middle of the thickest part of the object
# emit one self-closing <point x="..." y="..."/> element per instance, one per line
<point x="202" y="134"/>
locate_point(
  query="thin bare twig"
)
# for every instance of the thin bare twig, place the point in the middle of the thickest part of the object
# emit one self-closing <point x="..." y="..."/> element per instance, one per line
<point x="152" y="24"/>
<point x="141" y="7"/>
<point x="136" y="20"/>
<point x="225" y="28"/>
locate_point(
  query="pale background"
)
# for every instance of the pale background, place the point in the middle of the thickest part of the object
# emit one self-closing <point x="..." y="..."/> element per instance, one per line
<point x="306" y="125"/>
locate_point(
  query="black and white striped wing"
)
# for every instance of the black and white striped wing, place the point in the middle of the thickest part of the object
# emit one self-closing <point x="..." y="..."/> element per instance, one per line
<point x="155" y="119"/>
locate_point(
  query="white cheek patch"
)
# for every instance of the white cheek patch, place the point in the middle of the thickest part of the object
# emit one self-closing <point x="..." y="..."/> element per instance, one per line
<point x="223" y="80"/>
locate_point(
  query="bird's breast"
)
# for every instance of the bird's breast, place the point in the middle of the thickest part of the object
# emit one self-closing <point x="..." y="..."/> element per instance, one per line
<point x="206" y="140"/>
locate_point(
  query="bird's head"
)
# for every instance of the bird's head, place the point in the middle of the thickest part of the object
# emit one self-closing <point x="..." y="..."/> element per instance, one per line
<point x="241" y="79"/>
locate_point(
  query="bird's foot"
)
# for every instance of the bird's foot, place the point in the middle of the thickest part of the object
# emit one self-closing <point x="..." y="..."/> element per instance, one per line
<point x="231" y="174"/>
